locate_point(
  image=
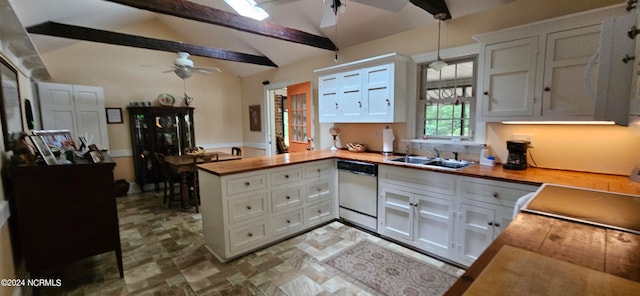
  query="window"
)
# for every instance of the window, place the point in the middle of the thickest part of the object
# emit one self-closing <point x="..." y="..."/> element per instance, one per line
<point x="447" y="100"/>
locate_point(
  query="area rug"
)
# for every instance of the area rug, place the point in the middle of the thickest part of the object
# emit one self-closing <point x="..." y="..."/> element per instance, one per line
<point x="386" y="272"/>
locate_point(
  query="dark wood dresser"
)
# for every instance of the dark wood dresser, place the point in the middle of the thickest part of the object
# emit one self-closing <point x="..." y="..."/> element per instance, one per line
<point x="65" y="213"/>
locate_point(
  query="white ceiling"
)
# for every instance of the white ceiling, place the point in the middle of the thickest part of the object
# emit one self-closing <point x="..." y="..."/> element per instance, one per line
<point x="358" y="24"/>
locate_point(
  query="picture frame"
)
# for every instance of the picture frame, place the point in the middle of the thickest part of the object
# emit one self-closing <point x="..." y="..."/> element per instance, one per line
<point x="43" y="149"/>
<point x="114" y="115"/>
<point x="255" y="121"/>
<point x="59" y="138"/>
<point x="10" y="104"/>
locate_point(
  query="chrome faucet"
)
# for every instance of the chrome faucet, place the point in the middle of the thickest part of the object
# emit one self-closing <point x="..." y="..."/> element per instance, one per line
<point x="408" y="149"/>
<point x="437" y="153"/>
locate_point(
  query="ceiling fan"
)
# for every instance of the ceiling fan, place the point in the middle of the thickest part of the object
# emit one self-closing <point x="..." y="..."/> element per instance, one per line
<point x="184" y="67"/>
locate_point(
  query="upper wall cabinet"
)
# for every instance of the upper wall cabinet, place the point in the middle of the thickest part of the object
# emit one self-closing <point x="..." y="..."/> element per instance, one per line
<point x="538" y="71"/>
<point x="371" y="90"/>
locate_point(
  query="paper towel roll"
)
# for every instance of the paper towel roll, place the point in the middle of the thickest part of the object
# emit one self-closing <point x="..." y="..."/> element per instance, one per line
<point x="387" y="140"/>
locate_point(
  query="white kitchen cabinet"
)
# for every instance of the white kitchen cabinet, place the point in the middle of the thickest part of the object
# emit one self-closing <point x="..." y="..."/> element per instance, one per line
<point x="78" y="108"/>
<point x="476" y="228"/>
<point x="537" y="72"/>
<point x="245" y="211"/>
<point x="371" y="90"/>
<point x="454" y="217"/>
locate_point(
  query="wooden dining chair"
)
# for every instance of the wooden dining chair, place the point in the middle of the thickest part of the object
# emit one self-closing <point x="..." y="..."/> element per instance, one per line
<point x="171" y="182"/>
<point x="194" y="189"/>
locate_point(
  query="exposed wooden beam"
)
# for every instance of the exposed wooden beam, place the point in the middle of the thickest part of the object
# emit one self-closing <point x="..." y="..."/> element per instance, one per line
<point x="433" y="7"/>
<point x="88" y="34"/>
<point x="206" y="14"/>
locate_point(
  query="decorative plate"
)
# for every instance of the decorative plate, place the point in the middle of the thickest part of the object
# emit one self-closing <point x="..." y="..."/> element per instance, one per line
<point x="166" y="99"/>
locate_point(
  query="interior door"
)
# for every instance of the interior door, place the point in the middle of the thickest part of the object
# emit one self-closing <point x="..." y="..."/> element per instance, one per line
<point x="299" y="106"/>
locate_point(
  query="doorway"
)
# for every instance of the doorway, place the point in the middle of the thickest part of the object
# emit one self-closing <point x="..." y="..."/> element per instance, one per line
<point x="284" y="116"/>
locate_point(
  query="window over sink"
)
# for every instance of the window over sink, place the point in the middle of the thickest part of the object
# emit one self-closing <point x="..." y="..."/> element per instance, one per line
<point x="447" y="100"/>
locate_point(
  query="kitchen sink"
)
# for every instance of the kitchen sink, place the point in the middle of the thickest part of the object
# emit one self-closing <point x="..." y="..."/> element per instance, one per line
<point x="432" y="162"/>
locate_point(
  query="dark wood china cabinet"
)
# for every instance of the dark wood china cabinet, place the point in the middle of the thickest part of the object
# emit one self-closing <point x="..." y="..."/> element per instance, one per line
<point x="166" y="130"/>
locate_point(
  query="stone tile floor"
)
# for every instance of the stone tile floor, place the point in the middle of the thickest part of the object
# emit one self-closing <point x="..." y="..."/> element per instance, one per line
<point x="164" y="254"/>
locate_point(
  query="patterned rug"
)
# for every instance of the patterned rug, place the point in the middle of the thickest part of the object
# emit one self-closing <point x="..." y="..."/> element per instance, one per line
<point x="386" y="272"/>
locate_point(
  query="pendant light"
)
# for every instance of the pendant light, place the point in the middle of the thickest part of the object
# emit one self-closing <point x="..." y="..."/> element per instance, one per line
<point x="438" y="64"/>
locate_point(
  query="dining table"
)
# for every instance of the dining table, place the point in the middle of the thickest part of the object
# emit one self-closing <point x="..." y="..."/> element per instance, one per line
<point x="184" y="164"/>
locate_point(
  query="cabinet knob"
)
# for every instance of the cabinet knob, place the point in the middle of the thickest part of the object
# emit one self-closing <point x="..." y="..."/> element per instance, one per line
<point x="490" y="223"/>
<point x="495" y="194"/>
<point x="633" y="31"/>
<point x="388" y="102"/>
<point x="288" y="197"/>
<point x="247" y="183"/>
<point x="286" y="176"/>
<point x="249" y="234"/>
<point x="288" y="221"/>
<point x="497" y="224"/>
<point x="319" y="189"/>
<point x="546" y="88"/>
<point x="336" y="106"/>
<point x="486" y="93"/>
<point x="359" y="104"/>
<point x="319" y="211"/>
<point x="248" y="207"/>
<point x="627" y="58"/>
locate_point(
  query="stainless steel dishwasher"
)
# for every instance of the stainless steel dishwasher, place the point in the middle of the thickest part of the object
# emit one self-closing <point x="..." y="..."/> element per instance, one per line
<point x="358" y="182"/>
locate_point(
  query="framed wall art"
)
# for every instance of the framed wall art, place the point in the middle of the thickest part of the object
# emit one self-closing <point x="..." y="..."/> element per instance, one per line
<point x="11" y="114"/>
<point x="114" y="115"/>
<point x="255" y="121"/>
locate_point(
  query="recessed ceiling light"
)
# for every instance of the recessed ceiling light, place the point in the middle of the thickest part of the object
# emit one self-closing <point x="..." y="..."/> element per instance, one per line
<point x="248" y="8"/>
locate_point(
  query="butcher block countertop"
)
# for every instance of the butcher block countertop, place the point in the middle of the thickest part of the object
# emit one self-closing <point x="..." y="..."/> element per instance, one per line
<point x="533" y="176"/>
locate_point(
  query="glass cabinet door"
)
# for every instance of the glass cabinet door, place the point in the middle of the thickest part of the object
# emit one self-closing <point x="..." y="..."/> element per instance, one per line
<point x="168" y="135"/>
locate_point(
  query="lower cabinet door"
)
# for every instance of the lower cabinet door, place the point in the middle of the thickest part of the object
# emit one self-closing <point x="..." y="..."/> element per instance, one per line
<point x="395" y="213"/>
<point x="246" y="237"/>
<point x="287" y="223"/>
<point x="475" y="232"/>
<point x="434" y="224"/>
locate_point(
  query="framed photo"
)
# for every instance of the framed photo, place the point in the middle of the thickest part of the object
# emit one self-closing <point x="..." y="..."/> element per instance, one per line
<point x="59" y="138"/>
<point x="114" y="115"/>
<point x="10" y="105"/>
<point x="255" y="121"/>
<point x="43" y="149"/>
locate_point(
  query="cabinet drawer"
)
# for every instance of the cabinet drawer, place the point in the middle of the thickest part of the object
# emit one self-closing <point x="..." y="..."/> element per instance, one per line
<point x="287" y="222"/>
<point x="286" y="198"/>
<point x="247" y="237"/>
<point x="319" y="190"/>
<point x="246" y="184"/>
<point x="286" y="176"/>
<point x="434" y="182"/>
<point x="319" y="170"/>
<point x="317" y="213"/>
<point x="247" y="207"/>
<point x="494" y="192"/>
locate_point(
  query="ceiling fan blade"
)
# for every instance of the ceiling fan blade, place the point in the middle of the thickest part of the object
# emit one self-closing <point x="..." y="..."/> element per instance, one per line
<point x="206" y="69"/>
<point x="389" y="5"/>
<point x="329" y="18"/>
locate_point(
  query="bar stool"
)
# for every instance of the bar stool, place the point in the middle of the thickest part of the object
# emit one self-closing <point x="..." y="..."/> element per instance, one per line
<point x="194" y="189"/>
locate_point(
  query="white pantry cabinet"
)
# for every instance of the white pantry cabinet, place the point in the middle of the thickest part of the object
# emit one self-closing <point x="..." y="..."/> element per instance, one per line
<point x="371" y="90"/>
<point x="450" y="216"/>
<point x="537" y="71"/>
<point x="245" y="211"/>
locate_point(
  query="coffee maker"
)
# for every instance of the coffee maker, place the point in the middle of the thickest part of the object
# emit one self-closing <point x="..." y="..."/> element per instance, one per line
<point x="517" y="159"/>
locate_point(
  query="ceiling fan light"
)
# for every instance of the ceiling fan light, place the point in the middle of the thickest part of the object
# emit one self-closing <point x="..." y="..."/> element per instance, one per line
<point x="183" y="60"/>
<point x="183" y="73"/>
<point x="438" y="65"/>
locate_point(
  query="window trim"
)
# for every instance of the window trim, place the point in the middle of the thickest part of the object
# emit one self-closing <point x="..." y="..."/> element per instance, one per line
<point x="454" y="53"/>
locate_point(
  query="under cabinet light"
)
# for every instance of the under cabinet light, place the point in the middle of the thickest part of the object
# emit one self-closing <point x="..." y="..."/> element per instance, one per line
<point x="248" y="8"/>
<point x="562" y="122"/>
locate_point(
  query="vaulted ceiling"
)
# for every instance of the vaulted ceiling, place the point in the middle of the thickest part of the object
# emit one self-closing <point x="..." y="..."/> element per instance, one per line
<point x="241" y="52"/>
